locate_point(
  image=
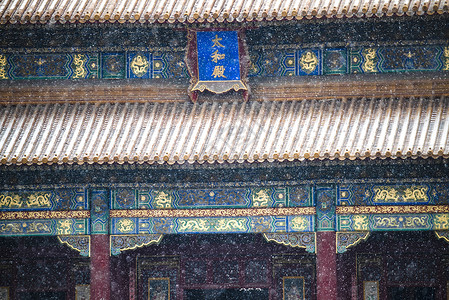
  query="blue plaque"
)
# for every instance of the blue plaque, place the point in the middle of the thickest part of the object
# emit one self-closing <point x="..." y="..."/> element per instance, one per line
<point x="218" y="61"/>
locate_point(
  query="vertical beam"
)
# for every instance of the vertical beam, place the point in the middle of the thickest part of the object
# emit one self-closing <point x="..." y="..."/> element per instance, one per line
<point x="100" y="270"/>
<point x="326" y="255"/>
<point x="100" y="265"/>
<point x="326" y="265"/>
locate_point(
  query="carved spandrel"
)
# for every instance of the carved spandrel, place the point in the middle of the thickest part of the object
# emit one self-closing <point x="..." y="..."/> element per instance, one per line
<point x="79" y="243"/>
<point x="305" y="240"/>
<point x="349" y="239"/>
<point x="120" y="243"/>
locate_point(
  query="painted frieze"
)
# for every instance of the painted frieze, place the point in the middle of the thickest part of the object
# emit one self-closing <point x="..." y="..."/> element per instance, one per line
<point x="57" y="199"/>
<point x="393" y="222"/>
<point x="398" y="194"/>
<point x="44" y="227"/>
<point x="131" y="64"/>
<point x="221" y="71"/>
<point x="209" y="198"/>
<point x="397" y="59"/>
<point x="209" y="224"/>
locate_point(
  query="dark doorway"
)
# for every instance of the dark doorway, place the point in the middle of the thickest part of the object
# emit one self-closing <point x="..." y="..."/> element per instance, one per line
<point x="42" y="296"/>
<point x="411" y="293"/>
<point x="227" y="294"/>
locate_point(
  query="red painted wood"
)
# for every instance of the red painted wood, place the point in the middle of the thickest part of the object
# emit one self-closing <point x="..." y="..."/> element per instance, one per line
<point x="100" y="271"/>
<point x="326" y="265"/>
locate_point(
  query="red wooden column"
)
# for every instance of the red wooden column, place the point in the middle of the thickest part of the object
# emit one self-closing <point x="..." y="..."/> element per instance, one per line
<point x="100" y="271"/>
<point x="326" y="266"/>
<point x="100" y="266"/>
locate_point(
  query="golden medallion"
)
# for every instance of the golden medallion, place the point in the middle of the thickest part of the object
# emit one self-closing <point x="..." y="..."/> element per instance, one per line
<point x="308" y="62"/>
<point x="139" y="65"/>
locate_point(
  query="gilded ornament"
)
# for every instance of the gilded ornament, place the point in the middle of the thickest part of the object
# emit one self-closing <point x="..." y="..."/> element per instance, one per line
<point x="219" y="72"/>
<point x="388" y="194"/>
<point x="401" y="222"/>
<point x="16" y="215"/>
<point x="308" y="62"/>
<point x="418" y="221"/>
<point x="261" y="224"/>
<point x="390" y="209"/>
<point x="162" y="200"/>
<point x="18" y="228"/>
<point x="360" y="222"/>
<point x="369" y="66"/>
<point x="11" y="228"/>
<point x="139" y="65"/>
<point x="125" y="225"/>
<point x="299" y="223"/>
<point x="3" y="65"/>
<point x="64" y="227"/>
<point x="261" y="198"/>
<point x="441" y="221"/>
<point x="229" y="225"/>
<point x="389" y="222"/>
<point x="10" y="201"/>
<point x="39" y="200"/>
<point x="193" y="225"/>
<point x="36" y="200"/>
<point x="242" y="212"/>
<point x="79" y="61"/>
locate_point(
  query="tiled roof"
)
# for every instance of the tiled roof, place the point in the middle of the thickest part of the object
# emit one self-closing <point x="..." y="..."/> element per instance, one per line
<point x="179" y="132"/>
<point x="189" y="11"/>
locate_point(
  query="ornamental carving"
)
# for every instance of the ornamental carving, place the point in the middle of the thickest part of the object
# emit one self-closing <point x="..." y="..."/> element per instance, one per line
<point x="120" y="243"/>
<point x="349" y="239"/>
<point x="305" y="240"/>
<point x="79" y="243"/>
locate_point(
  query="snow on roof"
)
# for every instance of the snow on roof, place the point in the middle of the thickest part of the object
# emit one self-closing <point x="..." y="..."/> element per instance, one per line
<point x="179" y="132"/>
<point x="202" y="11"/>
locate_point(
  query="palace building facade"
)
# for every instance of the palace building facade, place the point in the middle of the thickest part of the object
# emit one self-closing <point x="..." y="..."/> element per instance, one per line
<point x="224" y="149"/>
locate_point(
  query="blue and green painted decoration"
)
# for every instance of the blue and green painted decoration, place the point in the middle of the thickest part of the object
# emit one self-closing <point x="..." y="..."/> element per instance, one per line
<point x="143" y="64"/>
<point x="149" y="211"/>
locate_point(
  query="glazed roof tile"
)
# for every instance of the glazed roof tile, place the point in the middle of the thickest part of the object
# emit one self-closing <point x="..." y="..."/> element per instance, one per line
<point x="180" y="132"/>
<point x="201" y="11"/>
